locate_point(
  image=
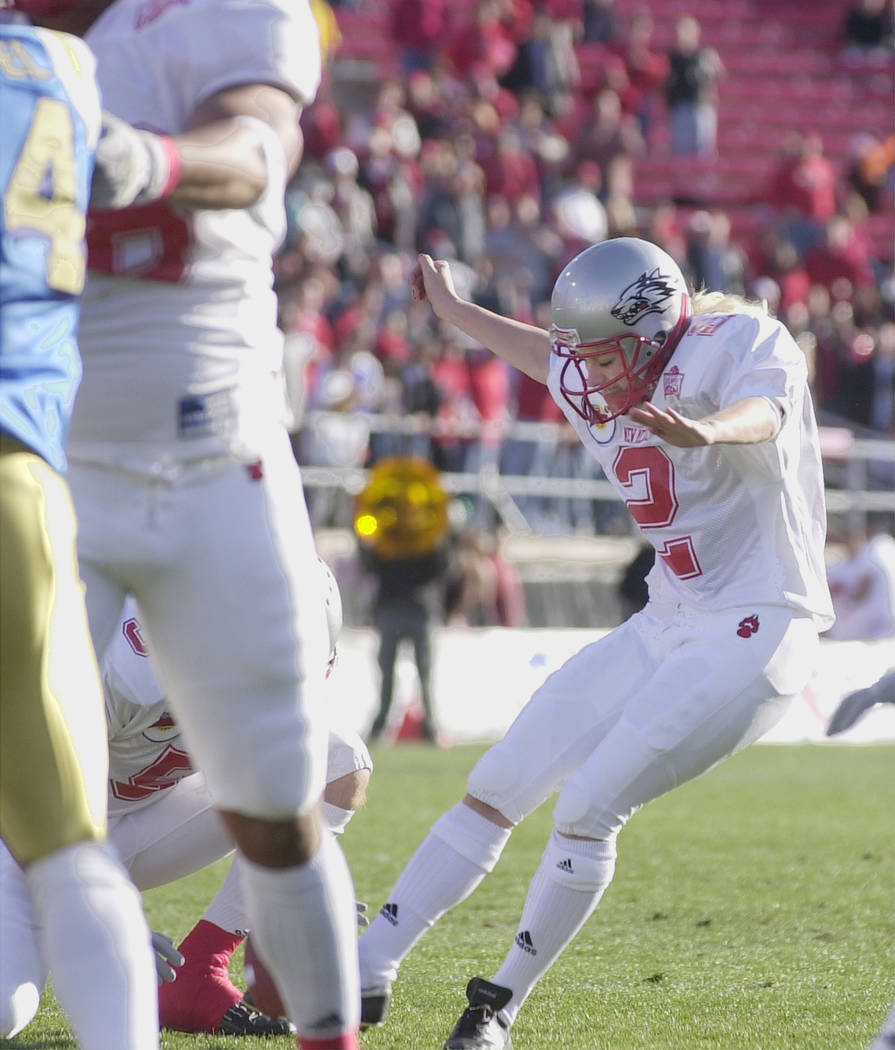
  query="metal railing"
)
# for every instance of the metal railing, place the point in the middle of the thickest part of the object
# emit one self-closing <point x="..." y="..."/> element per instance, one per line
<point x="860" y="472"/>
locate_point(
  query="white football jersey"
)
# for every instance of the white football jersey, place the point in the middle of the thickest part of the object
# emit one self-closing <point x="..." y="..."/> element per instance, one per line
<point x="179" y="322"/>
<point x="732" y="525"/>
<point x="147" y="753"/>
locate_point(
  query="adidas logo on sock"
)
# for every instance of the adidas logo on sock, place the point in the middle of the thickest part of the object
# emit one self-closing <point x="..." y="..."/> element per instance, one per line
<point x="566" y="866"/>
<point x="389" y="912"/>
<point x="524" y="941"/>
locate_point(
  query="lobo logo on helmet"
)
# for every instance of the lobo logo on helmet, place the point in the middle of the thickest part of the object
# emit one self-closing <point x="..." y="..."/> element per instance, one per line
<point x="649" y="294"/>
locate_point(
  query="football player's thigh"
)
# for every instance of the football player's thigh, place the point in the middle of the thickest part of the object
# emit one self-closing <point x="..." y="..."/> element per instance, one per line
<point x="175" y="835"/>
<point x="111" y="508"/>
<point x="238" y="629"/>
<point x="22" y="973"/>
<point x="53" y="754"/>
<point x="564" y="721"/>
<point x="712" y="695"/>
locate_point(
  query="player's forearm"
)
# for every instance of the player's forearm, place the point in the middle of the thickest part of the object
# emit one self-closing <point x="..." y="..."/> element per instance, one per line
<point x="222" y="166"/>
<point x="746" y="422"/>
<point x="522" y="345"/>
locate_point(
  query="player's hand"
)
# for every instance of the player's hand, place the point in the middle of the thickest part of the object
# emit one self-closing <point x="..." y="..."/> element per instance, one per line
<point x="671" y="427"/>
<point x="166" y="957"/>
<point x="362" y="919"/>
<point x="431" y="280"/>
<point x="851" y="709"/>
<point x="132" y="166"/>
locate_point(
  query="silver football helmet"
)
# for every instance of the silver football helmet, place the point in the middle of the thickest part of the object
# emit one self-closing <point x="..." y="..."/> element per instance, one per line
<point x="622" y="305"/>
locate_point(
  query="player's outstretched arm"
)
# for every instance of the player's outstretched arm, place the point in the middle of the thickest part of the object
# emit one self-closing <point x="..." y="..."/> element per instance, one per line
<point x="222" y="161"/>
<point x="522" y="345"/>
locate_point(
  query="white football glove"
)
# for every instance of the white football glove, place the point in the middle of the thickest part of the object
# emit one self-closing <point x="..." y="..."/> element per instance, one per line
<point x="166" y="957"/>
<point x="132" y="166"/>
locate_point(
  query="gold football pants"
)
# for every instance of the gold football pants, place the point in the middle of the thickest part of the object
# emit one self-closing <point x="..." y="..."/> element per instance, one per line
<point x="53" y="750"/>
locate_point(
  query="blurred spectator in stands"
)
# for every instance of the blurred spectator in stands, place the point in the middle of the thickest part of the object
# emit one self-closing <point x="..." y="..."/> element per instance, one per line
<point x="510" y="171"/>
<point x="618" y="198"/>
<point x="787" y="268"/>
<point x="579" y="216"/>
<point x="647" y="70"/>
<point x="802" y="189"/>
<point x="489" y="386"/>
<point x="454" y="202"/>
<point x="712" y="261"/>
<point x="539" y="136"/>
<point x="483" y="41"/>
<point x="606" y="132"/>
<point x="691" y="91"/>
<point x="350" y="201"/>
<point x="471" y="581"/>
<point x="428" y="105"/>
<point x="545" y="60"/>
<point x="512" y="249"/>
<point x="840" y="254"/>
<point x="665" y="227"/>
<point x="869" y="29"/>
<point x="338" y="439"/>
<point x="600" y="21"/>
<point x="393" y="182"/>
<point x="483" y="586"/>
<point x="418" y="28"/>
<point x="871" y="171"/>
<point x="321" y="124"/>
<point x="863" y="584"/>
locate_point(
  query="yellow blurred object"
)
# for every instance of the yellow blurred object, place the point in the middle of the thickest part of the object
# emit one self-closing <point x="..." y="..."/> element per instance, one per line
<point x="403" y="510"/>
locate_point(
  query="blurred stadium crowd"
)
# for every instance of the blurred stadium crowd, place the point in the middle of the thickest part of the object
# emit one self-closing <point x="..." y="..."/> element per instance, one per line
<point x="752" y="140"/>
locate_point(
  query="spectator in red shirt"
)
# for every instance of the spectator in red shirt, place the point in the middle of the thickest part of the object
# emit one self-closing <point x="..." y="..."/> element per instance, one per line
<point x="803" y="189"/>
<point x="418" y="28"/>
<point x="483" y="41"/>
<point x="511" y="172"/>
<point x="647" y="70"/>
<point x="840" y="255"/>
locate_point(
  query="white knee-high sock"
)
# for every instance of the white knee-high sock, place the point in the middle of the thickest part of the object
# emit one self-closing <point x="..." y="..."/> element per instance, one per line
<point x="303" y="922"/>
<point x="564" y="891"/>
<point x="462" y="847"/>
<point x="95" y="941"/>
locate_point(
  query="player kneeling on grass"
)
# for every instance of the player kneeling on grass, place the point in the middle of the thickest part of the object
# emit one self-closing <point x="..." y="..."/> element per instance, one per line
<point x="699" y="413"/>
<point x="162" y="823"/>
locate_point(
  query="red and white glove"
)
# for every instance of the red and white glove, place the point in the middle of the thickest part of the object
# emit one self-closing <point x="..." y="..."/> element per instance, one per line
<point x="133" y="167"/>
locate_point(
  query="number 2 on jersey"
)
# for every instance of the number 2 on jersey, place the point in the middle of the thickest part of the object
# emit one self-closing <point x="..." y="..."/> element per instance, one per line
<point x="650" y="467"/>
<point x="42" y="195"/>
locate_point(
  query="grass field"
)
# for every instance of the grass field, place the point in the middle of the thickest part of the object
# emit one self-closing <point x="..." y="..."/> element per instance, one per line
<point x="753" y="909"/>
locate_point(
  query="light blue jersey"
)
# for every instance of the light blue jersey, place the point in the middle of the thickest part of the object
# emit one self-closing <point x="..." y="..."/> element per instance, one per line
<point x="51" y="112"/>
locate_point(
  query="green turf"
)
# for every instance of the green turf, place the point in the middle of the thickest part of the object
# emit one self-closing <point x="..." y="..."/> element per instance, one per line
<point x="753" y="909"/>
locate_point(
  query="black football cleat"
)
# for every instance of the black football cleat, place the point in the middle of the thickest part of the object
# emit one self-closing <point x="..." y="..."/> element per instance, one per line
<point x="374" y="1005"/>
<point x="243" y="1019"/>
<point x="480" y="1026"/>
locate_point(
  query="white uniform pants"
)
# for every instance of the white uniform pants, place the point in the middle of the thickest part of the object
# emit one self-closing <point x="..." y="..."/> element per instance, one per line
<point x="654" y="703"/>
<point x="223" y="565"/>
